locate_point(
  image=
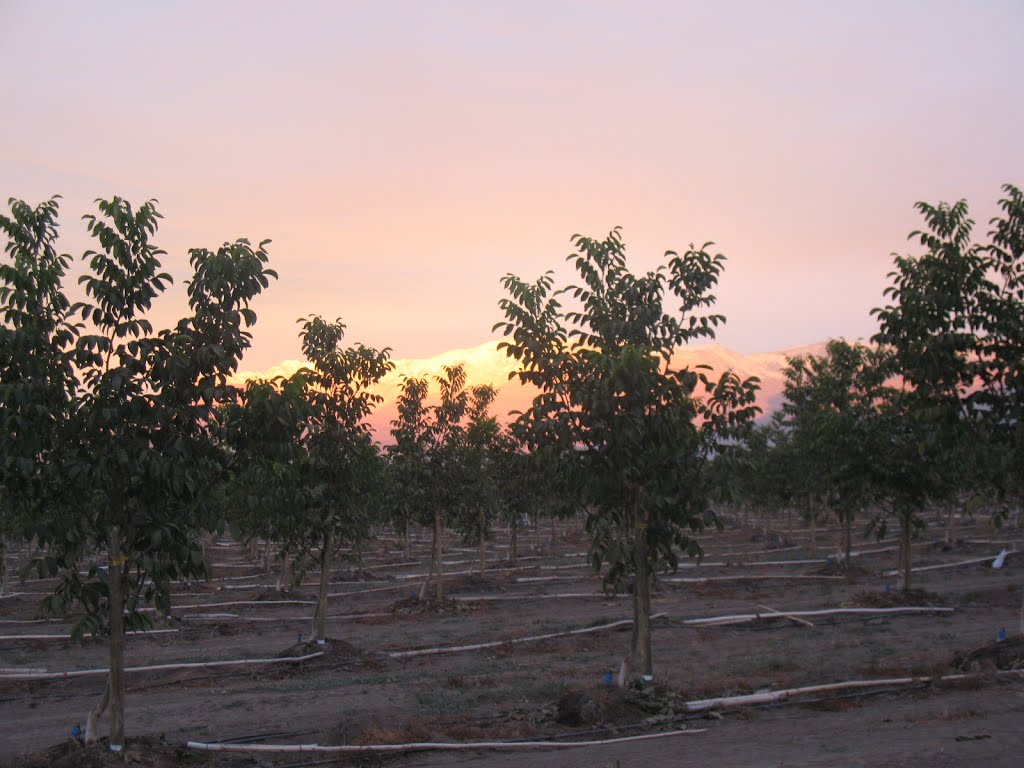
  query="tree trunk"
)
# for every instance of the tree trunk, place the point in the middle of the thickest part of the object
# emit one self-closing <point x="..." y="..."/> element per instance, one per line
<point x="439" y="553"/>
<point x="93" y="718"/>
<point x="949" y="526"/>
<point x="905" y="553"/>
<point x="430" y="572"/>
<point x="115" y="564"/>
<point x="320" y="630"/>
<point x="640" y="662"/>
<point x="814" y="532"/>
<point x="3" y="566"/>
<point x="847" y="539"/>
<point x="282" y="581"/>
<point x="266" y="556"/>
<point x="406" y="543"/>
<point x="483" y="542"/>
<point x="514" y="544"/>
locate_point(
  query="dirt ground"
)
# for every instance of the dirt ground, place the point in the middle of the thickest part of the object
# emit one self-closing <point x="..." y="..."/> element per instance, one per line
<point x="361" y="692"/>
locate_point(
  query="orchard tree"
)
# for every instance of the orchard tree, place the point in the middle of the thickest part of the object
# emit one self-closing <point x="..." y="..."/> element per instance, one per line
<point x="756" y="473"/>
<point x="527" y="484"/>
<point x="133" y="454"/>
<point x="954" y="330"/>
<point x="479" y="445"/>
<point x="344" y="463"/>
<point x="636" y="430"/>
<point x="1002" y="348"/>
<point x="830" y="409"/>
<point x="428" y="456"/>
<point x="262" y="494"/>
<point x="37" y="376"/>
<point x="407" y="475"/>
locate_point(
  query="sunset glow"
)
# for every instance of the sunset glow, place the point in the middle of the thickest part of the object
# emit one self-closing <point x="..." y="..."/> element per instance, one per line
<point x="403" y="157"/>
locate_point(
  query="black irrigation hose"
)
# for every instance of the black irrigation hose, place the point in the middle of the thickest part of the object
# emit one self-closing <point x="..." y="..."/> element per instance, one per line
<point x="328" y="761"/>
<point x="262" y="737"/>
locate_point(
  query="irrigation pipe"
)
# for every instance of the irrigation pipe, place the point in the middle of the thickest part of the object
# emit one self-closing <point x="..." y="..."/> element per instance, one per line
<point x="767" y="697"/>
<point x="792" y="617"/>
<point x="557" y="596"/>
<point x="225" y="604"/>
<point x="158" y="667"/>
<point x="430" y="745"/>
<point x="470" y="572"/>
<point x="278" y="619"/>
<point x="68" y="637"/>
<point x="744" y="617"/>
<point x="701" y="705"/>
<point x="31" y="621"/>
<point x="949" y="565"/>
<point x="512" y="641"/>
<point x="406" y="585"/>
<point x="747" y="577"/>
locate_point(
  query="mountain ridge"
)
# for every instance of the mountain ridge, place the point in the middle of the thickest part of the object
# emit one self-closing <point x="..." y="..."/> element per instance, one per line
<point x="486" y="364"/>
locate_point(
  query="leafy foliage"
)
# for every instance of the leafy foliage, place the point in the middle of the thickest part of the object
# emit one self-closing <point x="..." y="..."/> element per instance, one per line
<point x="636" y="429"/>
<point x="130" y="452"/>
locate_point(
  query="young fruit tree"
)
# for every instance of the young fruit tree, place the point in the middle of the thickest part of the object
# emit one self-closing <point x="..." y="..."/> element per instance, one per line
<point x="478" y="459"/>
<point x="37" y="376"/>
<point x="262" y="493"/>
<point x="133" y="456"/>
<point x="633" y="429"/>
<point x="427" y="460"/>
<point x="343" y="464"/>
<point x="955" y="331"/>
<point x="830" y="410"/>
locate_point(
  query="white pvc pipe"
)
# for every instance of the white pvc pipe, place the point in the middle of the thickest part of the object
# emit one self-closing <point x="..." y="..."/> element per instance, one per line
<point x="700" y="705"/>
<point x="430" y="745"/>
<point x="766" y="697"/>
<point x="948" y="565"/>
<point x="748" y="577"/>
<point x="406" y="585"/>
<point x="513" y="641"/>
<point x="156" y="667"/>
<point x="742" y="617"/>
<point x="68" y="637"/>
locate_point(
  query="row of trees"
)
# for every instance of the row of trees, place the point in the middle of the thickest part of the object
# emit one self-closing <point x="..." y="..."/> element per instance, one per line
<point x="107" y="424"/>
<point x="930" y="415"/>
<point x="121" y="445"/>
<point x="127" y="443"/>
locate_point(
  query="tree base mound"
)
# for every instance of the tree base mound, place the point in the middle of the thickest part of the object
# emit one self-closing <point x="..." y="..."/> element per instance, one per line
<point x="1001" y="654"/>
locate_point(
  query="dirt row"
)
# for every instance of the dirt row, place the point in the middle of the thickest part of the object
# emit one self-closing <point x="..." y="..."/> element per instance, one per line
<point x="362" y="692"/>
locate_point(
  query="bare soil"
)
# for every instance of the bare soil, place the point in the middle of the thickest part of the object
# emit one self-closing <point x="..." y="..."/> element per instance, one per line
<point x="556" y="688"/>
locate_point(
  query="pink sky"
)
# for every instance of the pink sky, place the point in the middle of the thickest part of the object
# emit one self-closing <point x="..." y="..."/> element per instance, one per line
<point x="404" y="156"/>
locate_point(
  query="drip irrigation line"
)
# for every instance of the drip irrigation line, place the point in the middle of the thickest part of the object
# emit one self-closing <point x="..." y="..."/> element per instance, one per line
<point x="162" y="667"/>
<point x="431" y="745"/>
<point x="513" y="641"/>
<point x="328" y="761"/>
<point x="262" y="737"/>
